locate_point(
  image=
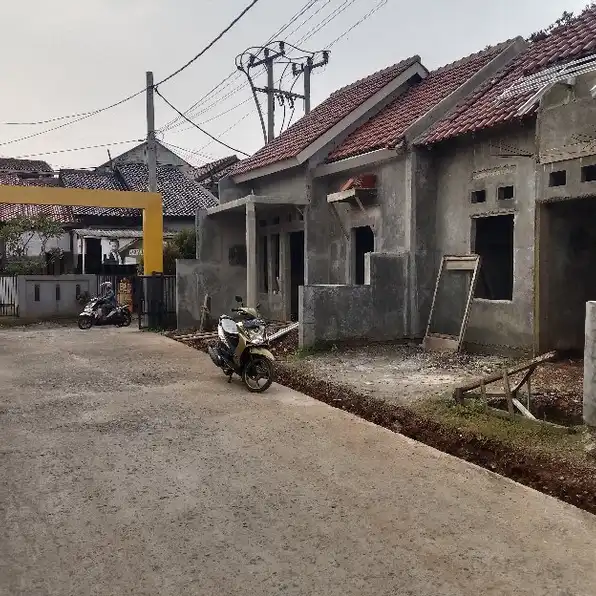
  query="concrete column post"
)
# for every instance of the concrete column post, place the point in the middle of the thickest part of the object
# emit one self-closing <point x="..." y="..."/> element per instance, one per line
<point x="251" y="255"/>
<point x="590" y="366"/>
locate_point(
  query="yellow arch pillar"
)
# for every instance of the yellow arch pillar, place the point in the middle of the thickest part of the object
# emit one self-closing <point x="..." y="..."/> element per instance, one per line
<point x="149" y="202"/>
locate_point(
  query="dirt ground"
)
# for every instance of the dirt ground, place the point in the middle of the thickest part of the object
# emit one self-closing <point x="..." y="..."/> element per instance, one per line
<point x="400" y="373"/>
<point x="405" y="373"/>
<point x="129" y="466"/>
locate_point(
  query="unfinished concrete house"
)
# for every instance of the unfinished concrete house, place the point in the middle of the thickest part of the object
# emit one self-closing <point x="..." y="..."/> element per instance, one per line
<point x="281" y="223"/>
<point x="358" y="202"/>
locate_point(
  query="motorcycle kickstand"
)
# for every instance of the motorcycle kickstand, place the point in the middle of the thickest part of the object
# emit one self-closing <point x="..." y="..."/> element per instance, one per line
<point x="230" y="377"/>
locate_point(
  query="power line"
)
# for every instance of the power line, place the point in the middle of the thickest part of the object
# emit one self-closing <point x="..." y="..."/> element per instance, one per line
<point x="208" y="46"/>
<point x="79" y="148"/>
<point x="198" y="127"/>
<point x="309" y="4"/>
<point x="234" y="125"/>
<point x="85" y="115"/>
<point x="369" y="14"/>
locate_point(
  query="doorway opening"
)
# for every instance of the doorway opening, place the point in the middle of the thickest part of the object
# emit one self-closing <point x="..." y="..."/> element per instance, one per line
<point x="363" y="241"/>
<point x="296" y="270"/>
<point x="567" y="262"/>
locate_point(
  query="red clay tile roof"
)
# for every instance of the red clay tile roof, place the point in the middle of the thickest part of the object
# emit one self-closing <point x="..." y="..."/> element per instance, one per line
<point x="11" y="164"/>
<point x="326" y="115"/>
<point x="214" y="167"/>
<point x="59" y="213"/>
<point x="484" y="109"/>
<point x="386" y="129"/>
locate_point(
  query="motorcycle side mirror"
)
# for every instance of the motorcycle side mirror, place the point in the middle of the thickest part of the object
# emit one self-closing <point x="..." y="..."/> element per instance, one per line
<point x="238" y="299"/>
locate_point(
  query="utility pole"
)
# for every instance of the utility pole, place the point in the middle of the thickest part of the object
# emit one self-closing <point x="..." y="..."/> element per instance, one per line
<point x="248" y="60"/>
<point x="268" y="60"/>
<point x="306" y="70"/>
<point x="270" y="99"/>
<point x="151" y="145"/>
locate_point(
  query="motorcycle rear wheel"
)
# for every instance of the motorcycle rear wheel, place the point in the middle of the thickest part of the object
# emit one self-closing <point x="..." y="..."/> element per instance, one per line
<point x="126" y="319"/>
<point x="85" y="322"/>
<point x="258" y="370"/>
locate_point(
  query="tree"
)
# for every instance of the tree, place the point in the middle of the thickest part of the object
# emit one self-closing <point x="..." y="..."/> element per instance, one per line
<point x="16" y="236"/>
<point x="181" y="246"/>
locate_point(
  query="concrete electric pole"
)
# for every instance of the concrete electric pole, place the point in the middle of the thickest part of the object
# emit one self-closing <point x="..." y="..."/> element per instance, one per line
<point x="151" y="145"/>
<point x="304" y="65"/>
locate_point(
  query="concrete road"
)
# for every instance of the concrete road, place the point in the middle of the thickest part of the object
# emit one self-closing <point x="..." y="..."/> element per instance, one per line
<point x="129" y="466"/>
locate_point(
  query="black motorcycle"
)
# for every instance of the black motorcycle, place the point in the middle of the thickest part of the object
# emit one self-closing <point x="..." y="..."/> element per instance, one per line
<point x="96" y="312"/>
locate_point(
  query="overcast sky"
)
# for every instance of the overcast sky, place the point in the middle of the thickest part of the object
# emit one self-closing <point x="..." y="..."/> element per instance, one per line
<point x="70" y="56"/>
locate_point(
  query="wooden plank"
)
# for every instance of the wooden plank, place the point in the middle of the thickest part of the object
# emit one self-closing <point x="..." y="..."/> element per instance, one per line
<point x="511" y="371"/>
<point x="483" y="396"/>
<point x="525" y="379"/>
<point x="523" y="409"/>
<point x="507" y="388"/>
<point x="472" y="289"/>
<point x="439" y="344"/>
<point x="503" y="414"/>
<point x="460" y="266"/>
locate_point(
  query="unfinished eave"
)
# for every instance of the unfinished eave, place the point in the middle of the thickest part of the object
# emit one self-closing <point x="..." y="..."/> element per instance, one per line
<point x="354" y="194"/>
<point x="240" y="204"/>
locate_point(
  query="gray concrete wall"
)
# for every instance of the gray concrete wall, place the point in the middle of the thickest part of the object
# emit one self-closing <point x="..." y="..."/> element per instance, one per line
<point x="215" y="272"/>
<point x="567" y="121"/>
<point x="57" y="295"/>
<point x="374" y="311"/>
<point x="486" y="163"/>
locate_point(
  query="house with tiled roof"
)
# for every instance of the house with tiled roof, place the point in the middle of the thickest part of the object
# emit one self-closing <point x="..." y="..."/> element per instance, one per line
<point x="86" y="251"/>
<point x="515" y="167"/>
<point x="182" y="197"/>
<point x="358" y="201"/>
<point x="28" y="172"/>
<point x="312" y="223"/>
<point x="209" y="174"/>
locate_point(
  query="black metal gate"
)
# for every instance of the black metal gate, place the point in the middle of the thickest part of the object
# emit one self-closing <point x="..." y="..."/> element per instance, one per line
<point x="126" y="288"/>
<point x="9" y="297"/>
<point x="156" y="304"/>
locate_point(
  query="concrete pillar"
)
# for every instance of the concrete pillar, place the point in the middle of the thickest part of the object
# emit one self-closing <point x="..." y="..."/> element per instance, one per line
<point x="251" y="255"/>
<point x="590" y="366"/>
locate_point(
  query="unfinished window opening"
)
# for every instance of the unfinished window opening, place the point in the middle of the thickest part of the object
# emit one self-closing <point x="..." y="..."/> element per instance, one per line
<point x="57" y="292"/>
<point x="364" y="242"/>
<point x="264" y="265"/>
<point x="589" y="173"/>
<point x="558" y="178"/>
<point x="275" y="248"/>
<point x="36" y="292"/>
<point x="505" y="193"/>
<point x="262" y="223"/>
<point x="276" y="221"/>
<point x="478" y="196"/>
<point x="493" y="242"/>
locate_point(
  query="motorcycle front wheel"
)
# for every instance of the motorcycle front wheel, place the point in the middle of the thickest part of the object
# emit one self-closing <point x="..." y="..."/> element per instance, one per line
<point x="257" y="374"/>
<point x="85" y="322"/>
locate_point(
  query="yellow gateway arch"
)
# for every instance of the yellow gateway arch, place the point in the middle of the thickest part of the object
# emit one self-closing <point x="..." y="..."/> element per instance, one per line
<point x="149" y="202"/>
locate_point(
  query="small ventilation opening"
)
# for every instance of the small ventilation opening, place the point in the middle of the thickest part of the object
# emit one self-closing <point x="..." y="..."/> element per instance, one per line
<point x="558" y="178"/>
<point x="589" y="173"/>
<point x="505" y="193"/>
<point x="478" y="196"/>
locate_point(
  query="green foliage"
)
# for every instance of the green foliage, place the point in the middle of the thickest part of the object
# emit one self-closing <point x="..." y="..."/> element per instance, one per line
<point x="16" y="236"/>
<point x="566" y="18"/>
<point x="181" y="246"/>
